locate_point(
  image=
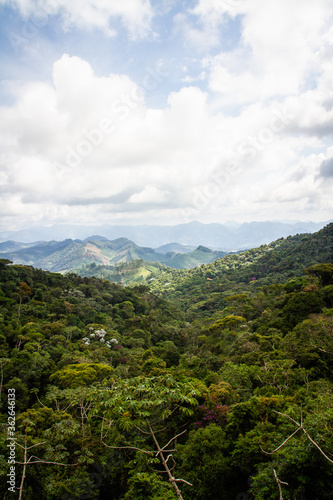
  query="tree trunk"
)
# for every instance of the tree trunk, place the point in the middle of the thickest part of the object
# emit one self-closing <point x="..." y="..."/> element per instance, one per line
<point x="24" y="467"/>
<point x="165" y="465"/>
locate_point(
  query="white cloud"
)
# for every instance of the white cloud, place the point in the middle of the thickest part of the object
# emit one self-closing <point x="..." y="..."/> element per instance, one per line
<point x="212" y="10"/>
<point x="278" y="50"/>
<point x="89" y="137"/>
<point x="135" y="15"/>
<point x="150" y="194"/>
<point x="92" y="142"/>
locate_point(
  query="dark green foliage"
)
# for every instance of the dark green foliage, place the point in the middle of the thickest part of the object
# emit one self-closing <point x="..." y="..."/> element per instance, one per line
<point x="299" y="305"/>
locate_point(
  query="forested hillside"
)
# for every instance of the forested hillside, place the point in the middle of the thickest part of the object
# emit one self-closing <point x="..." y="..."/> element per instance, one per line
<point x="209" y="384"/>
<point x="246" y="271"/>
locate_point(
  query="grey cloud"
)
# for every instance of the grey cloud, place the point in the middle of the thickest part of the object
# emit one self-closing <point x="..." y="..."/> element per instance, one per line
<point x="120" y="202"/>
<point x="299" y="175"/>
<point x="115" y="199"/>
<point x="326" y="169"/>
<point x="145" y="207"/>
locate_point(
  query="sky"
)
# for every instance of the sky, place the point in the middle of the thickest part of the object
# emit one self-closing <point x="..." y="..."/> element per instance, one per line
<point x="165" y="112"/>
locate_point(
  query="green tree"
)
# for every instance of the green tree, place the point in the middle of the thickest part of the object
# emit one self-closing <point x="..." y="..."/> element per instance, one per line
<point x="299" y="305"/>
<point x="81" y="374"/>
<point x="204" y="460"/>
<point x="144" y="404"/>
<point x="24" y="291"/>
<point x="323" y="271"/>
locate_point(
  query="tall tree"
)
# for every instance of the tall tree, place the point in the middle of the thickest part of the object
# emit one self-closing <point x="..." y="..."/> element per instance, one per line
<point x="145" y="404"/>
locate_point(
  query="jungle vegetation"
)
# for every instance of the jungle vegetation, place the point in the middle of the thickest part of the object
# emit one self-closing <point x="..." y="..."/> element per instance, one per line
<point x="214" y="383"/>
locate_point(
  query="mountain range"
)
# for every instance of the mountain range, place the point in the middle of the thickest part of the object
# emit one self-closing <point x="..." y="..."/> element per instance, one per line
<point x="227" y="237"/>
<point x="70" y="255"/>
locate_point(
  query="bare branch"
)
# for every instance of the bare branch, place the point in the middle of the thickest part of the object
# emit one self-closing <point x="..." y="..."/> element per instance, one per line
<point x="175" y="437"/>
<point x="164" y="451"/>
<point x="38" y="444"/>
<point x="110" y="422"/>
<point x="160" y="453"/>
<point x="167" y="458"/>
<point x="128" y="448"/>
<point x="284" y="442"/>
<point x="38" y="398"/>
<point x="317" y="446"/>
<point x="300" y="427"/>
<point x="160" y="430"/>
<point x="143" y="432"/>
<point x="279" y="484"/>
<point x="29" y="447"/>
<point x="45" y="462"/>
<point x="173" y="460"/>
<point x="288" y="416"/>
<point x="183" y="481"/>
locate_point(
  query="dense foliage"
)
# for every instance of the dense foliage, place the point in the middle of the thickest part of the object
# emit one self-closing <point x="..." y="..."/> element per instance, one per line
<point x="188" y="391"/>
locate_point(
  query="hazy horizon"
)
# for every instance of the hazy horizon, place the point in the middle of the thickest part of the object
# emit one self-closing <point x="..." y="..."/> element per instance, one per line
<point x="217" y="236"/>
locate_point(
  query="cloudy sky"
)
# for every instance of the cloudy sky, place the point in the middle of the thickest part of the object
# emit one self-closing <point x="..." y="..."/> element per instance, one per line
<point x="161" y="111"/>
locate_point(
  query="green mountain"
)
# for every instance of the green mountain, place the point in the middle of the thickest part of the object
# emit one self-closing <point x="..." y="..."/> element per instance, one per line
<point x="12" y="246"/>
<point x="130" y="273"/>
<point x="199" y="256"/>
<point x="70" y="255"/>
<point x="175" y="248"/>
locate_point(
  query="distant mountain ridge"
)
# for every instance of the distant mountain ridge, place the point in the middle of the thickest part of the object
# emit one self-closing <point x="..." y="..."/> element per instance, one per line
<point x="226" y="237"/>
<point x="70" y="255"/>
<point x="175" y="247"/>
